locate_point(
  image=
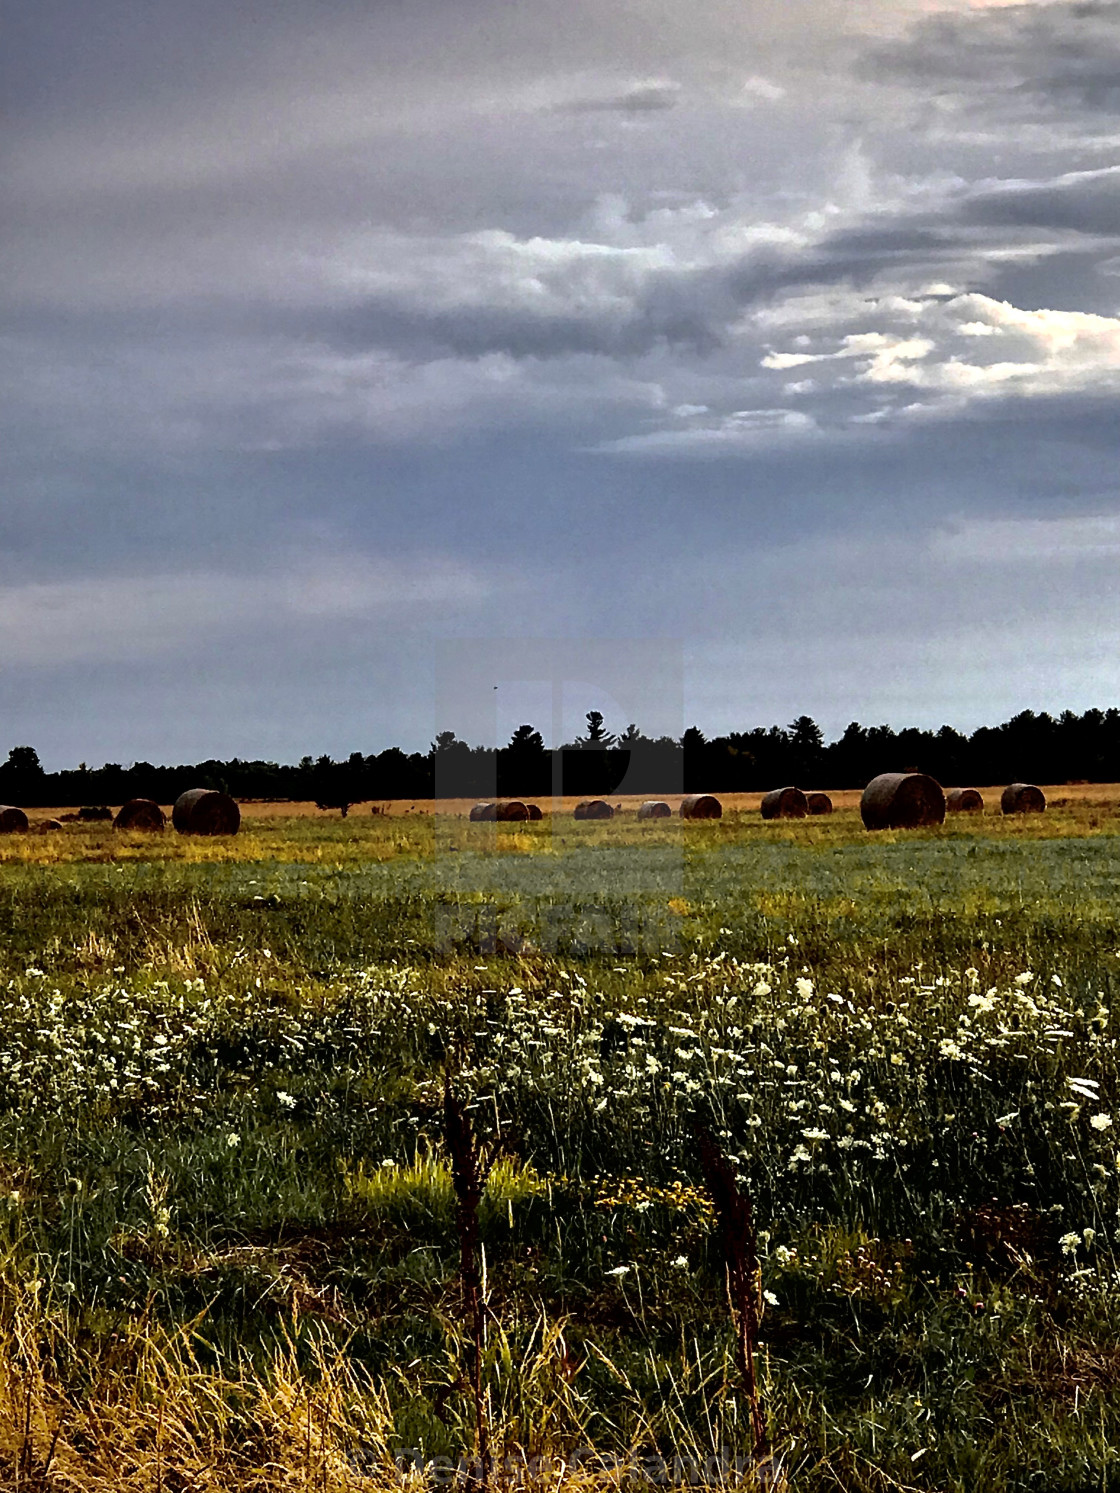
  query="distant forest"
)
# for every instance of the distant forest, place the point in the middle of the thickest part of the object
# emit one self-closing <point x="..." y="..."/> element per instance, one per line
<point x="1028" y="748"/>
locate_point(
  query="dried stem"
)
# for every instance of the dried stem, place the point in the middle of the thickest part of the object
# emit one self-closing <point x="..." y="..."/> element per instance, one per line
<point x="469" y="1170"/>
<point x="739" y="1247"/>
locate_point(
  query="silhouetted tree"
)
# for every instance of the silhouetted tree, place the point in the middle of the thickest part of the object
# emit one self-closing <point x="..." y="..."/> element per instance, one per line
<point x="524" y="767"/>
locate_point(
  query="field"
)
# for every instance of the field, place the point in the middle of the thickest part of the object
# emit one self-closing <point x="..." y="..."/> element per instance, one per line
<point x="234" y="1249"/>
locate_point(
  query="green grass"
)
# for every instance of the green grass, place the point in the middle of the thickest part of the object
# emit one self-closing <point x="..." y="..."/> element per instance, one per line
<point x="221" y="1072"/>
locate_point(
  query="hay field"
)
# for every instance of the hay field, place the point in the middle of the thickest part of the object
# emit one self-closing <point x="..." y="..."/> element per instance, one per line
<point x="1105" y="796"/>
<point x="745" y="803"/>
<point x="229" y="1249"/>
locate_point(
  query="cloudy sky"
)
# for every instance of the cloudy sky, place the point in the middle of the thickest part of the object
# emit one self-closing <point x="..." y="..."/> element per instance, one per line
<point x="781" y="334"/>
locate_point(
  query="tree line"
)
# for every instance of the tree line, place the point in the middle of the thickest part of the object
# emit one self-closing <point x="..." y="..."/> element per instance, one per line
<point x="1033" y="748"/>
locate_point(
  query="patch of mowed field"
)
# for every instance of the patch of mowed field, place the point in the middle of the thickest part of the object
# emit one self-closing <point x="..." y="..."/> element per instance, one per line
<point x="230" y="1249"/>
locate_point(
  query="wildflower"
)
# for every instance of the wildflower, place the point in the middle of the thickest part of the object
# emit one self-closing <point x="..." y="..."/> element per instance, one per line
<point x="1101" y="1122"/>
<point x="1025" y="978"/>
<point x="770" y="1299"/>
<point x="815" y="1134"/>
<point x="285" y="1099"/>
<point x="1069" y="1243"/>
<point x="233" y="1139"/>
<point x="762" y="988"/>
<point x="1088" y="1235"/>
<point x="804" y="987"/>
<point x="620" y="1270"/>
<point x="680" y="1263"/>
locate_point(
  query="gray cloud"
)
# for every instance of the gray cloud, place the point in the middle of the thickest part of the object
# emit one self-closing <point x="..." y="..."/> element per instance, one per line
<point x="651" y="96"/>
<point x="303" y="313"/>
<point x="1081" y="202"/>
<point x="1018" y="56"/>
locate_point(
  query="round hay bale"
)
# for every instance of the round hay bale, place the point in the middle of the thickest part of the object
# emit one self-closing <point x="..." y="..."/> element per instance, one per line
<point x="47" y="826"/>
<point x="653" y="808"/>
<point x="593" y="808"/>
<point x="818" y="803"/>
<point x="484" y="813"/>
<point x="902" y="800"/>
<point x="12" y="821"/>
<point x="964" y="801"/>
<point x="785" y="803"/>
<point x="142" y="814"/>
<point x="204" y="811"/>
<point x="534" y="811"/>
<point x="1022" y="798"/>
<point x="511" y="811"/>
<point x="701" y="806"/>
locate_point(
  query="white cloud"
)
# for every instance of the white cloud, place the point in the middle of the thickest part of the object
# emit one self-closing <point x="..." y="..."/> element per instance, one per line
<point x="740" y="430"/>
<point x="967" y="347"/>
<point x="756" y="88"/>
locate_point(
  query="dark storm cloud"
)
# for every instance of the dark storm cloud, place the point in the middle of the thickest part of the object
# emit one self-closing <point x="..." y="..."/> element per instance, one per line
<point x="1060" y="54"/>
<point x="1082" y="202"/>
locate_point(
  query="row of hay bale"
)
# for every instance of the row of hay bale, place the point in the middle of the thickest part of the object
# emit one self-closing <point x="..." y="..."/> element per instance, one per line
<point x="903" y="800"/>
<point x="199" y="811"/>
<point x="1016" y="798"/>
<point x="695" y="806"/>
<point x="505" y="811"/>
<point x="792" y="803"/>
<point x="909" y="800"/>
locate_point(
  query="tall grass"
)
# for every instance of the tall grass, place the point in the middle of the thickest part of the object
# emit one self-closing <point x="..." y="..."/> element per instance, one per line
<point x="247" y="1242"/>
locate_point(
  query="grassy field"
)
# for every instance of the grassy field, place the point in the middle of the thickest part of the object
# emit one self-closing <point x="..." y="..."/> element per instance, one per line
<point x="231" y="1251"/>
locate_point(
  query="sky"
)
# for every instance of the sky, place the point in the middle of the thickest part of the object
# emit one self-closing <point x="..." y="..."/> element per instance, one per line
<point x="346" y="346"/>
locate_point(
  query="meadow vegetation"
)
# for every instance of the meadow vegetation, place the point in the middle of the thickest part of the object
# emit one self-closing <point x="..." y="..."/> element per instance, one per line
<point x="230" y="1249"/>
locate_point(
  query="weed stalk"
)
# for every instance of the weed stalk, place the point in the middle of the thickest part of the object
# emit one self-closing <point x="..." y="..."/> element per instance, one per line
<point x="739" y="1248"/>
<point x="469" y="1170"/>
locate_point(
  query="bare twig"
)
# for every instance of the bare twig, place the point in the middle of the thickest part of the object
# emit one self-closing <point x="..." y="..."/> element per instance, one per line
<point x="739" y="1247"/>
<point x="469" y="1170"/>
